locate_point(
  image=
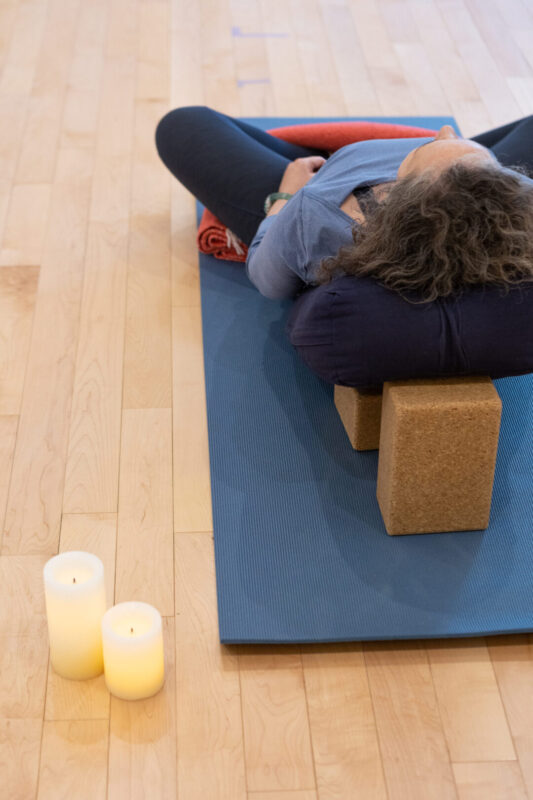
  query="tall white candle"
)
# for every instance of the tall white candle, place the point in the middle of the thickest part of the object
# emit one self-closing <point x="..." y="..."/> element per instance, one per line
<point x="75" y="603"/>
<point x="133" y="650"/>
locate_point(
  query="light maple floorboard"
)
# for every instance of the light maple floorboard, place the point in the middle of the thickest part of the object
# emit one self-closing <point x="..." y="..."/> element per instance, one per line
<point x="103" y="428"/>
<point x="211" y="755"/>
<point x="91" y="474"/>
<point x="74" y="760"/>
<point x="8" y="436"/>
<point x="192" y="493"/>
<point x="18" y="289"/>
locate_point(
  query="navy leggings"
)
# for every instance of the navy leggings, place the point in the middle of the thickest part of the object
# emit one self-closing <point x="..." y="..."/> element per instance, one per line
<point x="230" y="166"/>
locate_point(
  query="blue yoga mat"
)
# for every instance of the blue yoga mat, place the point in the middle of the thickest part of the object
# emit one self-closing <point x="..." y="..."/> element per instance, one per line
<point x="301" y="551"/>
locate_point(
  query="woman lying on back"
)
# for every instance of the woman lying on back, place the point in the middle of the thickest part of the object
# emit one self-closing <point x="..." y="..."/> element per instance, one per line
<point x="436" y="218"/>
<point x="430" y="215"/>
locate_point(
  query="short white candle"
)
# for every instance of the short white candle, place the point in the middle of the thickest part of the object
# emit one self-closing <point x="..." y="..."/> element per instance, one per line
<point x="133" y="650"/>
<point x="75" y="603"/>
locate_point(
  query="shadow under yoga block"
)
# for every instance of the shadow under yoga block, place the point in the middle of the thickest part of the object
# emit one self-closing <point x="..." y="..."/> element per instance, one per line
<point x="438" y="447"/>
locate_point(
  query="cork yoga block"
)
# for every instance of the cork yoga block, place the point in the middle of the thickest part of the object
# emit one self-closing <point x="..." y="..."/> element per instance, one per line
<point x="437" y="456"/>
<point x="360" y="413"/>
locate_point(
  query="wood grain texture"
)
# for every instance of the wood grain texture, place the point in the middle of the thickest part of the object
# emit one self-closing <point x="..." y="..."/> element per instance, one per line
<point x="250" y="54"/>
<point x="287" y="97"/>
<point x="91" y="479"/>
<point x="428" y="96"/>
<point x="33" y="511"/>
<point x="46" y="101"/>
<point x="123" y="30"/>
<point x="210" y="735"/>
<point x="74" y="165"/>
<point x="147" y="351"/>
<point x="8" y="435"/>
<point x="142" y="738"/>
<point x="479" y="61"/>
<point x="87" y="65"/>
<point x="277" y="736"/>
<point x="153" y="52"/>
<point x="455" y="80"/>
<point x="74" y="760"/>
<point x="356" y="83"/>
<point x="57" y="46"/>
<point x="184" y="269"/>
<point x="98" y="534"/>
<point x="218" y="66"/>
<point x="111" y="189"/>
<point x="512" y="661"/>
<point x="20" y="746"/>
<point x="413" y="746"/>
<point x="92" y="470"/>
<point x="31" y="525"/>
<point x="23" y="49"/>
<point x="25" y="225"/>
<point x="498" y="39"/>
<point x="145" y="537"/>
<point x="23" y="668"/>
<point x="185" y="58"/>
<point x="306" y="794"/>
<point x="522" y="89"/>
<point x="18" y="289"/>
<point x="517" y="15"/>
<point x="325" y="91"/>
<point x="12" y="120"/>
<point x="399" y="22"/>
<point x="471" y="709"/>
<point x="22" y="608"/>
<point x="8" y="15"/>
<point x="72" y="700"/>
<point x="498" y="780"/>
<point x="192" y="488"/>
<point x="344" y="735"/>
<point x="43" y="122"/>
<point x="381" y="60"/>
<point x="80" y="118"/>
<point x="150" y="241"/>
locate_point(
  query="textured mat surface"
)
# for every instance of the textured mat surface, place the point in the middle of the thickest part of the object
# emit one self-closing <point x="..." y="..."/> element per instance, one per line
<point x="301" y="551"/>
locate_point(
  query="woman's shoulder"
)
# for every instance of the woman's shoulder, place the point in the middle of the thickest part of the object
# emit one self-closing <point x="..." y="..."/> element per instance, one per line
<point x="372" y="162"/>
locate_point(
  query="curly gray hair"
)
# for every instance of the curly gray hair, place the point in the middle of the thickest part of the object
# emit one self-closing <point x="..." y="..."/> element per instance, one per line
<point x="433" y="235"/>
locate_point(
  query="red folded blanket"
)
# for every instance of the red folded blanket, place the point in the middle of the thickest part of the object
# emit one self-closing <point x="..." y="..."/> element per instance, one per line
<point x="215" y="239"/>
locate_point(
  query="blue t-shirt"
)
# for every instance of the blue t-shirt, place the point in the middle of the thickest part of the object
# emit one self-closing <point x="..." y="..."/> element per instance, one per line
<point x="288" y="246"/>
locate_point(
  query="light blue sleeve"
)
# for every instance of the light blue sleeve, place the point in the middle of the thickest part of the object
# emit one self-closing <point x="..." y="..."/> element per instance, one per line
<point x="276" y="258"/>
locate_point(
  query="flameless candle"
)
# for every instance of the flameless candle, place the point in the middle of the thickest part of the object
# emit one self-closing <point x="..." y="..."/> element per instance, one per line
<point x="75" y="603"/>
<point x="133" y="650"/>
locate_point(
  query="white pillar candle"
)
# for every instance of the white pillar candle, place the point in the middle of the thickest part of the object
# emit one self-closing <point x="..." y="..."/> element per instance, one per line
<point x="133" y="650"/>
<point x="75" y="603"/>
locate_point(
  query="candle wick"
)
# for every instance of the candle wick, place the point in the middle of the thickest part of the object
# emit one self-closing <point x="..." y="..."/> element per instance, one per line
<point x="73" y="580"/>
<point x="131" y="630"/>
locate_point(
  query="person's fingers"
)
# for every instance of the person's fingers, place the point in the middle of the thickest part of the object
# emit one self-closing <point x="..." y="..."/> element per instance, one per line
<point x="313" y="161"/>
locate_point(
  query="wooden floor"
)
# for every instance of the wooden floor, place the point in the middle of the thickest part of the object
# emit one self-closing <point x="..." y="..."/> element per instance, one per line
<point x="103" y="442"/>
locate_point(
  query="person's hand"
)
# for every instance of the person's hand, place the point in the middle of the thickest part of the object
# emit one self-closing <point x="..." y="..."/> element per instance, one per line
<point x="299" y="172"/>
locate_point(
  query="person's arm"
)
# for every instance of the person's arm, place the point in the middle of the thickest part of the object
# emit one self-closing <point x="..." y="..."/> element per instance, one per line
<point x="276" y="252"/>
<point x="276" y="206"/>
<point x="277" y="258"/>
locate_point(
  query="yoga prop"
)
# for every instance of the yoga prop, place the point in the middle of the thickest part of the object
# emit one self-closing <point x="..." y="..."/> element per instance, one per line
<point x="301" y="549"/>
<point x="437" y="440"/>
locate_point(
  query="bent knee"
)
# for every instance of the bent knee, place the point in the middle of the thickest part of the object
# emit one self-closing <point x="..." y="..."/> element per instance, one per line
<point x="174" y="123"/>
